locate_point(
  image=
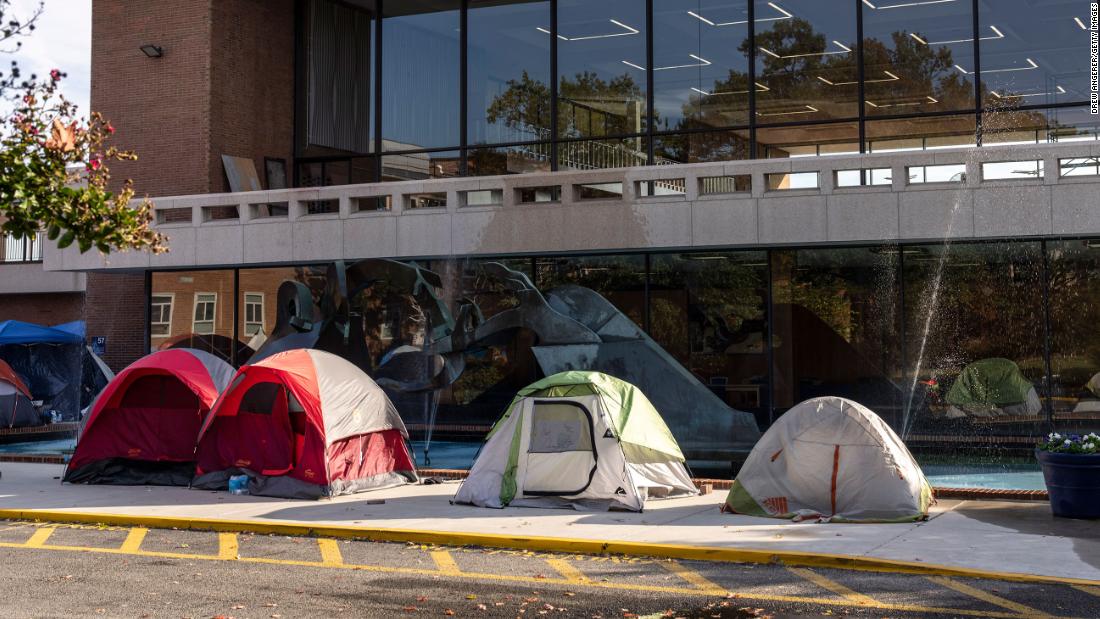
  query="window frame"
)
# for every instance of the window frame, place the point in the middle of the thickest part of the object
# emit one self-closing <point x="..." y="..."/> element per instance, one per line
<point x="195" y="322"/>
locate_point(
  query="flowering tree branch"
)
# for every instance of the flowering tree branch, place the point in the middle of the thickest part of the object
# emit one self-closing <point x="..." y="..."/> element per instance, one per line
<point x="54" y="176"/>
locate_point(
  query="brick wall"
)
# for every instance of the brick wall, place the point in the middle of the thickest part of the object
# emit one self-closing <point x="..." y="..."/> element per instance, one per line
<point x="224" y="86"/>
<point x="46" y="308"/>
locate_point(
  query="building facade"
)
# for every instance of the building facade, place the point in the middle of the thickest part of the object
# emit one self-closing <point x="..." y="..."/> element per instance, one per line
<point x="769" y="200"/>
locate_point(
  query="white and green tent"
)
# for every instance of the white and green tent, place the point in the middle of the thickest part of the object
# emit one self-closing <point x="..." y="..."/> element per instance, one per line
<point x="831" y="459"/>
<point x="577" y="439"/>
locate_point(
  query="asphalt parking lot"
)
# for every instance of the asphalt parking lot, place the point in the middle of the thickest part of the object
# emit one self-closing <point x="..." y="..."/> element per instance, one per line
<point x="55" y="570"/>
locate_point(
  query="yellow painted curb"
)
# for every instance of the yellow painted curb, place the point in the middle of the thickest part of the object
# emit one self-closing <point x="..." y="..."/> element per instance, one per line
<point x="537" y="543"/>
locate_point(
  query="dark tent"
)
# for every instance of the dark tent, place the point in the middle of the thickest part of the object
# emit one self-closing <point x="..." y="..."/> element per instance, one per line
<point x="49" y="361"/>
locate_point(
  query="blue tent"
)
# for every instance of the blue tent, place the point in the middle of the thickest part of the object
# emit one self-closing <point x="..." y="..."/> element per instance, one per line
<point x="17" y="332"/>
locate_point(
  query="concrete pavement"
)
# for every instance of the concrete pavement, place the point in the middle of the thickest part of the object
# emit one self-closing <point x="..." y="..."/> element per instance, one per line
<point x="1002" y="537"/>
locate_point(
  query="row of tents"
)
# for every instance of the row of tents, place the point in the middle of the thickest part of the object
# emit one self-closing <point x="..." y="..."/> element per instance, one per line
<point x="308" y="424"/>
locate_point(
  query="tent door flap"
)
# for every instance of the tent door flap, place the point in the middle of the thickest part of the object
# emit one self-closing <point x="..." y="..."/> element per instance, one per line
<point x="561" y="455"/>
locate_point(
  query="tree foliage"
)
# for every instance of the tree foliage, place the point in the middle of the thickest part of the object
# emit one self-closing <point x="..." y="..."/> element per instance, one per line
<point x="54" y="166"/>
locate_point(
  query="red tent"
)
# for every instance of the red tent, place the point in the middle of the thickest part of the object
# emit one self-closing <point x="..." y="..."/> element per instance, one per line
<point x="142" y="428"/>
<point x="304" y="424"/>
<point x="16" y="409"/>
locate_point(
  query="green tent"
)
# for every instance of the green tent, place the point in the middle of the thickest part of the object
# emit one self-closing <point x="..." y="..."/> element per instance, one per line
<point x="577" y="438"/>
<point x="994" y="381"/>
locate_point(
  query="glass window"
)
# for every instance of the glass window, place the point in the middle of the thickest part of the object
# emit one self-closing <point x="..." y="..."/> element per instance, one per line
<point x="701" y="67"/>
<point x="805" y="61"/>
<point x="974" y="340"/>
<point x="420" y="74"/>
<point x="508" y="64"/>
<point x="205" y="321"/>
<point x="1039" y="126"/>
<point x="918" y="56"/>
<point x="338" y="63"/>
<point x="253" y="313"/>
<point x="205" y="318"/>
<point x="619" y="279"/>
<point x="420" y="166"/>
<point x="508" y="160"/>
<point x="885" y="136"/>
<point x="1034" y="52"/>
<point x="594" y="154"/>
<point x="836" y="318"/>
<point x="807" y="140"/>
<point x="160" y="315"/>
<point x="708" y="311"/>
<point x="601" y="67"/>
<point x="701" y="147"/>
<point x="1075" y="335"/>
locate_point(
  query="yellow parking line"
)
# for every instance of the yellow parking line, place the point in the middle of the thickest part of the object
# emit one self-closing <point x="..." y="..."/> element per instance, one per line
<point x="568" y="571"/>
<point x="134" y="539"/>
<point x="985" y="596"/>
<point x="693" y="577"/>
<point x="515" y="578"/>
<point x="39" y="538"/>
<point x="1090" y="590"/>
<point x="445" y="562"/>
<point x="827" y="583"/>
<point x="227" y="546"/>
<point x="330" y="552"/>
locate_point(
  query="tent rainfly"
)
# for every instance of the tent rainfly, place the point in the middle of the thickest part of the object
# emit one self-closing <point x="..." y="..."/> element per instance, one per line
<point x="992" y="387"/>
<point x="16" y="409"/>
<point x="142" y="428"/>
<point x="831" y="459"/>
<point x="304" y="424"/>
<point x="577" y="439"/>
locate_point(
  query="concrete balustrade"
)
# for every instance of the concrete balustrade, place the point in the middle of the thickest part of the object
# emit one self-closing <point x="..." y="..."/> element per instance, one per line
<point x="437" y="218"/>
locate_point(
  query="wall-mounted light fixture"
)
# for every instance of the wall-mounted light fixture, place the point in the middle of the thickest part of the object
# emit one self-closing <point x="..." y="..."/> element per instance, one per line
<point x="152" y="51"/>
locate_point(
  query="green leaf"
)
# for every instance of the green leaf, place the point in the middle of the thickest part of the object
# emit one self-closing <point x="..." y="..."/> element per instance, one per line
<point x="66" y="239"/>
<point x="52" y="232"/>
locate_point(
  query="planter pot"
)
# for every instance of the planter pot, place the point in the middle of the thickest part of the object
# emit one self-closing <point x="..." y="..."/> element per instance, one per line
<point x="1073" y="483"/>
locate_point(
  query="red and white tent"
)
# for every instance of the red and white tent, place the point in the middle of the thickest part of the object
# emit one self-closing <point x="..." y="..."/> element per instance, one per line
<point x="142" y="428"/>
<point x="16" y="409"/>
<point x="304" y="424"/>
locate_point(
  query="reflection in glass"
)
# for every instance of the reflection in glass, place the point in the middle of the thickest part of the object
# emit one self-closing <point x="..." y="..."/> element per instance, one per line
<point x="805" y="61"/>
<point x="1033" y="53"/>
<point x="268" y="304"/>
<point x="597" y="154"/>
<point x="1039" y="126"/>
<point x="885" y="136"/>
<point x="701" y="147"/>
<point x="338" y="67"/>
<point x="420" y="75"/>
<point x="419" y="166"/>
<point x="835" y="317"/>
<point x="976" y="306"/>
<point x="601" y="67"/>
<point x="807" y="140"/>
<point x="619" y="279"/>
<point x="1075" y="334"/>
<point x="509" y="71"/>
<point x="918" y="57"/>
<point x="708" y="311"/>
<point x="508" y="160"/>
<point x="193" y="309"/>
<point x="700" y="73"/>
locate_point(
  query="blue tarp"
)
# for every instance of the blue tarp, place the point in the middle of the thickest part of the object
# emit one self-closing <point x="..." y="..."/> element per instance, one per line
<point x="17" y="332"/>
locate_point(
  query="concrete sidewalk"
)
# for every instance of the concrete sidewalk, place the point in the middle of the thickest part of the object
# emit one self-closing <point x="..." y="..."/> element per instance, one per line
<point x="997" y="537"/>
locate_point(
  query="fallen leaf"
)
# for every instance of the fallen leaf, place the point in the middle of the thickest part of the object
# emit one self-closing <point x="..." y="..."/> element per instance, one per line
<point x="471" y="596"/>
<point x="448" y="612"/>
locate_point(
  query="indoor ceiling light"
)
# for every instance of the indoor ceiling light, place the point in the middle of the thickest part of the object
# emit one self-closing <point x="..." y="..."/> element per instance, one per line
<point x="927" y="100"/>
<point x="1030" y="62"/>
<point x="904" y="4"/>
<point x="782" y="15"/>
<point x="152" y="51"/>
<point x="759" y="88"/>
<point x="1080" y="23"/>
<point x="891" y="78"/>
<point x="702" y="63"/>
<point x="997" y="34"/>
<point x="809" y="110"/>
<point x="628" y="31"/>
<point x="1058" y="90"/>
<point x="845" y="48"/>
